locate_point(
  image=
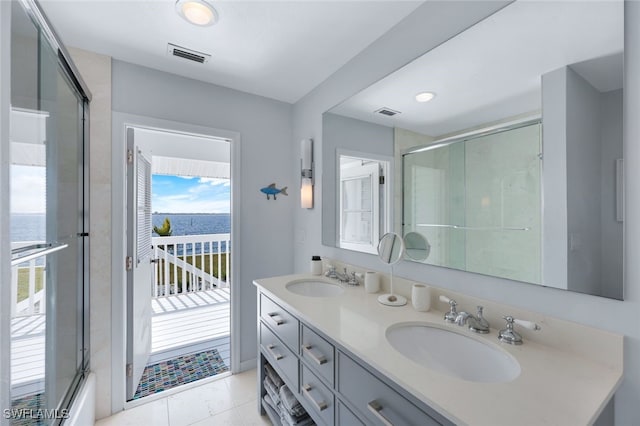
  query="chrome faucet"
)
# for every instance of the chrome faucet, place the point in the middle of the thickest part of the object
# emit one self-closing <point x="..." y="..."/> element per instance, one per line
<point x="509" y="335"/>
<point x="331" y="273"/>
<point x="477" y="324"/>
<point x="452" y="315"/>
<point x="353" y="280"/>
<point x="343" y="278"/>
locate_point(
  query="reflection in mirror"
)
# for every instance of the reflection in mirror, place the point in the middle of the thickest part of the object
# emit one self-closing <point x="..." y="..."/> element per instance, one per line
<point x="416" y="246"/>
<point x="514" y="168"/>
<point x="357" y="169"/>
<point x="478" y="201"/>
<point x="361" y="211"/>
<point x="390" y="250"/>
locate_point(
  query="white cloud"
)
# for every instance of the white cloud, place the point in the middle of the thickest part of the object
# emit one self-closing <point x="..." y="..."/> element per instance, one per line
<point x="28" y="189"/>
<point x="215" y="181"/>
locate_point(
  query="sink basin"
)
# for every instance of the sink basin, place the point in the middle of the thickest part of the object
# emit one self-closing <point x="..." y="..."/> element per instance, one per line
<point x="453" y="354"/>
<point x="314" y="288"/>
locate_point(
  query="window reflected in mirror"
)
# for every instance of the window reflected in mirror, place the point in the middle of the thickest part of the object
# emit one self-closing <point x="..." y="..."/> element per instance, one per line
<point x="362" y="215"/>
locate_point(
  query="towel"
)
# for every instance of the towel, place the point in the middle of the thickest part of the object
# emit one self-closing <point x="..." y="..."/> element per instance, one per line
<point x="275" y="379"/>
<point x="267" y="399"/>
<point x="271" y="390"/>
<point x="289" y="420"/>
<point x="290" y="403"/>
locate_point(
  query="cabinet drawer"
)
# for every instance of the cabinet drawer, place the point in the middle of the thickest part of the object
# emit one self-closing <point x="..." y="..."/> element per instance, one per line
<point x="318" y="353"/>
<point x="318" y="398"/>
<point x="346" y="417"/>
<point x="280" y="321"/>
<point x="376" y="402"/>
<point x="279" y="356"/>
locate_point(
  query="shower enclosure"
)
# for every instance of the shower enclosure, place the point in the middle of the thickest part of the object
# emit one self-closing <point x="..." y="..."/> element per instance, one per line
<point x="46" y="155"/>
<point x="477" y="200"/>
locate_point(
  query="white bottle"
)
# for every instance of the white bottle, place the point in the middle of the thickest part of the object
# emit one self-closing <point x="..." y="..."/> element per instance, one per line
<point x="316" y="265"/>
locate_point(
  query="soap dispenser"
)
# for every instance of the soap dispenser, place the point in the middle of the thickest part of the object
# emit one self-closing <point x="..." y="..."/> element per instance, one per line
<point x="316" y="265"/>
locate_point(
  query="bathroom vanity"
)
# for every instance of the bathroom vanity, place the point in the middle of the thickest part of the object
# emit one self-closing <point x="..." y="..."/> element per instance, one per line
<point x="332" y="349"/>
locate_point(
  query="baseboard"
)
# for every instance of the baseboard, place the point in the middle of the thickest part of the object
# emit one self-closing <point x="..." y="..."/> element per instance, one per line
<point x="249" y="364"/>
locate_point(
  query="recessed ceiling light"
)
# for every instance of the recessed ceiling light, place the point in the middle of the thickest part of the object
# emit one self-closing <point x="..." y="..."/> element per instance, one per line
<point x="197" y="12"/>
<point x="425" y="96"/>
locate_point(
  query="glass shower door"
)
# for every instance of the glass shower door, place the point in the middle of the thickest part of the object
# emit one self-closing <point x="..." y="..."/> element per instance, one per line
<point x="48" y="227"/>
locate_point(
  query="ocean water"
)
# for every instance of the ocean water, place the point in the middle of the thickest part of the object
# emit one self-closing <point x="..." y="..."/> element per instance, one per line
<point x="32" y="227"/>
<point x="194" y="224"/>
<point x="28" y="227"/>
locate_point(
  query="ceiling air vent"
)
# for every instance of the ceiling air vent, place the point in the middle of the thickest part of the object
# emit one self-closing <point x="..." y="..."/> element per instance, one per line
<point x="387" y="111"/>
<point x="188" y="54"/>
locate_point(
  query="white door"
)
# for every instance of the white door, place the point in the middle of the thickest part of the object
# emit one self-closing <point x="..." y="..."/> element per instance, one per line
<point x="139" y="263"/>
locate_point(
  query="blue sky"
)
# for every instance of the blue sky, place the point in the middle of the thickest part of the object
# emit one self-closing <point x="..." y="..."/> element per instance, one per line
<point x="186" y="194"/>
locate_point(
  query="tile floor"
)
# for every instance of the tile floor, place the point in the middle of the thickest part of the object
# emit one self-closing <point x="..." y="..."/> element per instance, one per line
<point x="229" y="401"/>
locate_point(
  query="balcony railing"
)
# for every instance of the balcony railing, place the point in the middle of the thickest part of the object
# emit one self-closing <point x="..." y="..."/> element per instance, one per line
<point x="190" y="263"/>
<point x="184" y="264"/>
<point x="28" y="280"/>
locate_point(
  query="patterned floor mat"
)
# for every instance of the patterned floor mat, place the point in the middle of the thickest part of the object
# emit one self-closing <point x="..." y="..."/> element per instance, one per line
<point x="179" y="371"/>
<point x="25" y="410"/>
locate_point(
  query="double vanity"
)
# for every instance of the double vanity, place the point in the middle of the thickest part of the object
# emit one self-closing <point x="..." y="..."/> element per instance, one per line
<point x="350" y="360"/>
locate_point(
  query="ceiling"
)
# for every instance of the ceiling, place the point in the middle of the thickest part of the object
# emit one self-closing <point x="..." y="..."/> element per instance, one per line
<point x="493" y="70"/>
<point x="277" y="49"/>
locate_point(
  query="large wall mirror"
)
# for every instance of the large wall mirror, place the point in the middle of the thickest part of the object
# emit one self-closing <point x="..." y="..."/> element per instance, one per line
<point x="512" y="166"/>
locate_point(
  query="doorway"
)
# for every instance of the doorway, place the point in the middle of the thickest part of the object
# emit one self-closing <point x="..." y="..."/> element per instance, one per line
<point x="179" y="259"/>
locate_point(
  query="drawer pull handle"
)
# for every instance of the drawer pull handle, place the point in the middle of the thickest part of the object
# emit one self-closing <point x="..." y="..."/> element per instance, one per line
<point x="320" y="406"/>
<point x="318" y="359"/>
<point x="376" y="409"/>
<point x="275" y="318"/>
<point x="277" y="356"/>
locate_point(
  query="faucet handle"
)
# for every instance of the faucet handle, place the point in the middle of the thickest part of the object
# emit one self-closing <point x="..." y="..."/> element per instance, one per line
<point x="453" y="312"/>
<point x="353" y="280"/>
<point x="527" y="324"/>
<point x="445" y="299"/>
<point x="509" y="335"/>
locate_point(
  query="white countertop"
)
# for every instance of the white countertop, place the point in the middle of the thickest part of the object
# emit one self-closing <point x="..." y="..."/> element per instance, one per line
<point x="555" y="387"/>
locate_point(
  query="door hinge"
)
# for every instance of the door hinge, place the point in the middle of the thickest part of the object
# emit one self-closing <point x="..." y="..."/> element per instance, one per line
<point x="381" y="180"/>
<point x="129" y="370"/>
<point x="128" y="261"/>
<point x="129" y="156"/>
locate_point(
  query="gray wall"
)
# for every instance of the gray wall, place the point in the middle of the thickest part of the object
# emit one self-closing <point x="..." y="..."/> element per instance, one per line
<point x="265" y="128"/>
<point x="431" y="24"/>
<point x="554" y="179"/>
<point x="612" y="230"/>
<point x="582" y="140"/>
<point x="350" y="134"/>
<point x="583" y="184"/>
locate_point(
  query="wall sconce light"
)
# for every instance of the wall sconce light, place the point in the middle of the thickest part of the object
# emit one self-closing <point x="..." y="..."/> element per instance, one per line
<point x="306" y="173"/>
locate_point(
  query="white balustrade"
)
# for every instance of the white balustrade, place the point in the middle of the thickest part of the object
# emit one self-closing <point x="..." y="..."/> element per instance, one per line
<point x="26" y="274"/>
<point x="181" y="263"/>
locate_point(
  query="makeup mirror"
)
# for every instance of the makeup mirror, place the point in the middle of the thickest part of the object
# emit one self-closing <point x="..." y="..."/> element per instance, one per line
<point x="390" y="251"/>
<point x="416" y="247"/>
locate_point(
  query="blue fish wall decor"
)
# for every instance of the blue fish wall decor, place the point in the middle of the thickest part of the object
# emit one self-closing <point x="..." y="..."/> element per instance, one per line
<point x="272" y="190"/>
